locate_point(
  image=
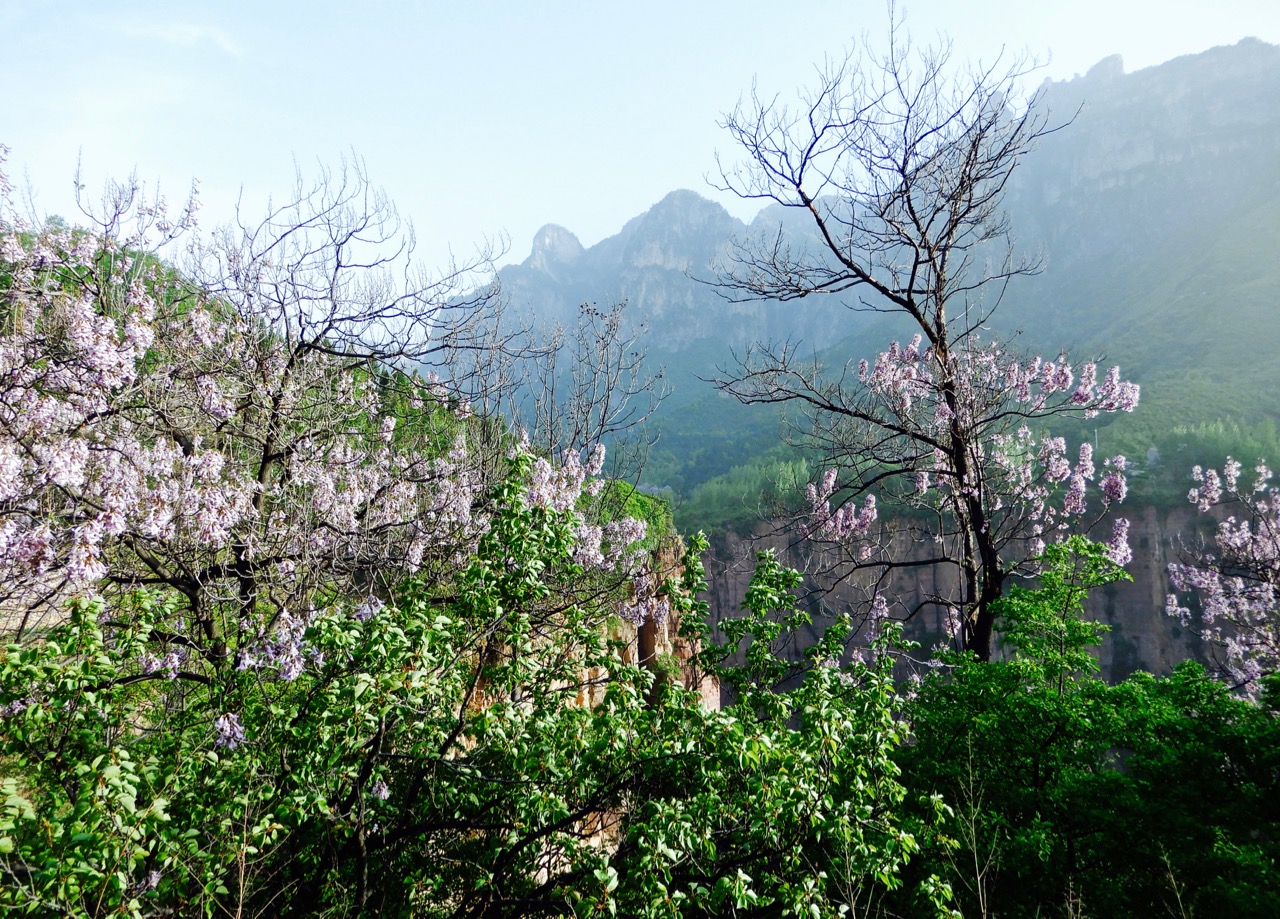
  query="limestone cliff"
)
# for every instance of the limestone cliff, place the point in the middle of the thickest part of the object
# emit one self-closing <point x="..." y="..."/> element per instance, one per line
<point x="1142" y="636"/>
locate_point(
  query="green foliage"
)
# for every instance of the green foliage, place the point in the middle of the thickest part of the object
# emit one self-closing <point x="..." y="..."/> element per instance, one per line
<point x="479" y="745"/>
<point x="1045" y="625"/>
<point x="790" y="803"/>
<point x="707" y="436"/>
<point x="1153" y="797"/>
<point x="622" y="499"/>
<point x="666" y="667"/>
<point x="755" y="490"/>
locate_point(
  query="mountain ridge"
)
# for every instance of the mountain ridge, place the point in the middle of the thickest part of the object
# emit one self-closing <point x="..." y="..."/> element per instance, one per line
<point x="1155" y="209"/>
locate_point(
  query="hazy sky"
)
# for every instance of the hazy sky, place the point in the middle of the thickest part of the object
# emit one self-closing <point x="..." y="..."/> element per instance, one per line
<point x="482" y="119"/>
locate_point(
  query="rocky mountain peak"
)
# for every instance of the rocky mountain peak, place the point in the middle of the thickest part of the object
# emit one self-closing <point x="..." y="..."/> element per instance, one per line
<point x="682" y="230"/>
<point x="553" y="247"/>
<point x="1107" y="69"/>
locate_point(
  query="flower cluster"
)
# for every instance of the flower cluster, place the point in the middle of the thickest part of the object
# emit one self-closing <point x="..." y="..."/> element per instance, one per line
<point x="903" y="374"/>
<point x="197" y="449"/>
<point x="228" y="732"/>
<point x="847" y="522"/>
<point x="560" y="488"/>
<point x="648" y="602"/>
<point x="949" y="429"/>
<point x="1237" y="582"/>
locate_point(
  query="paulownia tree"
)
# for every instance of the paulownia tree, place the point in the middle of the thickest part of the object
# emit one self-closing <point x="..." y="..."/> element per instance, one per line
<point x="243" y="429"/>
<point x="1237" y="580"/>
<point x="898" y="163"/>
<point x="279" y="642"/>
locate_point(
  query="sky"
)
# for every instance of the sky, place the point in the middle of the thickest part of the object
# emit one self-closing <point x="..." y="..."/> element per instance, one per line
<point x="483" y="121"/>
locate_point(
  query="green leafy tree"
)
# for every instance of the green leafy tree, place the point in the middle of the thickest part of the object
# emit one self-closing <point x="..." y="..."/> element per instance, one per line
<point x="479" y="746"/>
<point x="1071" y="797"/>
<point x="790" y="805"/>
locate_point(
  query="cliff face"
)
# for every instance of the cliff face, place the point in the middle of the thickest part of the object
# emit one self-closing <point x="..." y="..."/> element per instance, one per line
<point x="658" y="646"/>
<point x="1154" y="210"/>
<point x="1142" y="636"/>
<point x="555" y="250"/>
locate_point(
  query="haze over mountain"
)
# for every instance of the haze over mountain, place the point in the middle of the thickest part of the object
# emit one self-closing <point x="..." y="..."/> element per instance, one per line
<point x="663" y="264"/>
<point x="1154" y="209"/>
<point x="1157" y="209"/>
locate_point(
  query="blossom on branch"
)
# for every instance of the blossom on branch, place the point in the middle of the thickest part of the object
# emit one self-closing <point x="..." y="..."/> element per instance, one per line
<point x="1236" y="580"/>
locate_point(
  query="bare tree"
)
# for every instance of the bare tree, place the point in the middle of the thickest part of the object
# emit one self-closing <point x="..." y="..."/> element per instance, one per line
<point x="569" y="387"/>
<point x="900" y="161"/>
<point x="333" y="271"/>
<point x="595" y="387"/>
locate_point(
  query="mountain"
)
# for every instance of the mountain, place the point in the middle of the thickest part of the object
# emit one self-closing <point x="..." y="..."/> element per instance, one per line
<point x="663" y="264"/>
<point x="1155" y="210"/>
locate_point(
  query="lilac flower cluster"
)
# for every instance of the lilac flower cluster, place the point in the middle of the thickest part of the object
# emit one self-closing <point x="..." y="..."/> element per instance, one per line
<point x="367" y="609"/>
<point x="847" y="522"/>
<point x="169" y="664"/>
<point x="616" y="544"/>
<point x="560" y="488"/>
<point x="287" y="651"/>
<point x="1036" y="381"/>
<point x="109" y="439"/>
<point x="647" y="602"/>
<point x="963" y="390"/>
<point x="16" y="707"/>
<point x="903" y="374"/>
<point x="1118" y="549"/>
<point x="1027" y="473"/>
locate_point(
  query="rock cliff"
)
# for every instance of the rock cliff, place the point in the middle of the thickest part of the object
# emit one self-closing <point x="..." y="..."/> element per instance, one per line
<point x="1142" y="637"/>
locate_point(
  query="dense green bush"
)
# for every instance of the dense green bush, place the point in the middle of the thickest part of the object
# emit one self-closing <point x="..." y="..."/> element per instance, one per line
<point x="1072" y="797"/>
<point x="476" y="746"/>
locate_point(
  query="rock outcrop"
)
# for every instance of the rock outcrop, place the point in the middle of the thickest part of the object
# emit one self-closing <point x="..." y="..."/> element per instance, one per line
<point x="1141" y="637"/>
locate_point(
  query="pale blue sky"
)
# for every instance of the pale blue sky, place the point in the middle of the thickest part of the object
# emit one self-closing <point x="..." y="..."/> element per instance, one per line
<point x="482" y="119"/>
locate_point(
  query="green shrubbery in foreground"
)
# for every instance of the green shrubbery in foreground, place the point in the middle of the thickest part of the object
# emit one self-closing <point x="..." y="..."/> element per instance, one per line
<point x="439" y="761"/>
<point x="1155" y="797"/>
<point x="436" y="758"/>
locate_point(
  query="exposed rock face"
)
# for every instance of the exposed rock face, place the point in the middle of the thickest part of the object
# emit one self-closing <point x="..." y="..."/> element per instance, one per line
<point x="1154" y="208"/>
<point x="1151" y="169"/>
<point x="658" y="646"/>
<point x="1155" y="169"/>
<point x="659" y="263"/>
<point x="683" y="231"/>
<point x="1106" y="70"/>
<point x="1142" y="636"/>
<point x="554" y="249"/>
